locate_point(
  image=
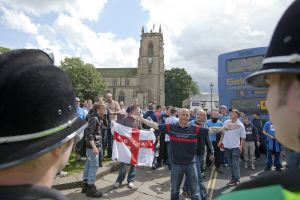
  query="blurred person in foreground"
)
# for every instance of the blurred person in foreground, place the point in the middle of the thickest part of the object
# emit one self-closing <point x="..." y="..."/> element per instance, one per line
<point x="34" y="143"/>
<point x="281" y="73"/>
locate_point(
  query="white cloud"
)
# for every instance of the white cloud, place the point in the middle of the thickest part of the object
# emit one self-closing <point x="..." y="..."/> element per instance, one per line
<point x="100" y="49"/>
<point x="77" y="8"/>
<point x="18" y="20"/>
<point x="196" y="32"/>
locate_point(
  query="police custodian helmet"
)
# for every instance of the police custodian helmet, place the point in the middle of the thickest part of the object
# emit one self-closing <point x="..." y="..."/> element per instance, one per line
<point x="37" y="106"/>
<point x="283" y="55"/>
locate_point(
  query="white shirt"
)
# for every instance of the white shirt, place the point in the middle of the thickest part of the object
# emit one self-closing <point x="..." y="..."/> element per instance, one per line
<point x="232" y="137"/>
<point x="170" y="120"/>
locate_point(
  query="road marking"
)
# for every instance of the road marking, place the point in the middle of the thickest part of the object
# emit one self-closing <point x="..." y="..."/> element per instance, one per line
<point x="213" y="184"/>
<point x="213" y="171"/>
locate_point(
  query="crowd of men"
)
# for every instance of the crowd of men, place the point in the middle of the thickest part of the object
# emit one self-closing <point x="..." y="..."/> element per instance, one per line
<point x="237" y="138"/>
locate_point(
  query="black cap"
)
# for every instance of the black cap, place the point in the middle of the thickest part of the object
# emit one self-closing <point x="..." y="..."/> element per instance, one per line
<point x="283" y="55"/>
<point x="38" y="111"/>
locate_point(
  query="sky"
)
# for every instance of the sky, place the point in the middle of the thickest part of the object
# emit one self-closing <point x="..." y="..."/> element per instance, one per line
<point x="106" y="33"/>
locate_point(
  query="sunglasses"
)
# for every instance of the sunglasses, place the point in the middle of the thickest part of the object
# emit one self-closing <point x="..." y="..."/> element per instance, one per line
<point x="77" y="101"/>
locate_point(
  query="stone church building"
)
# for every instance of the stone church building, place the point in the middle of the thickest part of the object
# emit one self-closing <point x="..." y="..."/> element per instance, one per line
<point x="147" y="81"/>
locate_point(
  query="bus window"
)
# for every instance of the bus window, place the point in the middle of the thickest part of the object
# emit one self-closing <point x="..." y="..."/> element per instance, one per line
<point x="248" y="64"/>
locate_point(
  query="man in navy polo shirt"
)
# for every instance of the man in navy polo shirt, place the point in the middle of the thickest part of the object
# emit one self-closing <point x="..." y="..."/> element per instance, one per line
<point x="183" y="140"/>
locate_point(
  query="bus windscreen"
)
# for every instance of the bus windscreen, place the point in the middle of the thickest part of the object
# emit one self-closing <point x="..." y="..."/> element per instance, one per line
<point x="249" y="64"/>
<point x="248" y="105"/>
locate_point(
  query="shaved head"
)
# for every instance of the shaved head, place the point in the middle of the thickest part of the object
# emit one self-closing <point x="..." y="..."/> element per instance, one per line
<point x="184" y="115"/>
<point x="183" y="110"/>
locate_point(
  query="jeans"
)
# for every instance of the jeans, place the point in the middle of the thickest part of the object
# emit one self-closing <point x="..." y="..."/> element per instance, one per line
<point x="218" y="156"/>
<point x="190" y="172"/>
<point x="233" y="157"/>
<point x="155" y="151"/>
<point x="109" y="141"/>
<point x="249" y="151"/>
<point x="202" y="189"/>
<point x="162" y="153"/>
<point x="90" y="167"/>
<point x="277" y="162"/>
<point x="102" y="153"/>
<point x="122" y="173"/>
<point x="169" y="154"/>
<point x="294" y="160"/>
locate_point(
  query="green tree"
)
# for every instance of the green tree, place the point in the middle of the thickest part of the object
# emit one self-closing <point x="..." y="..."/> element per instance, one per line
<point x="195" y="88"/>
<point x="179" y="84"/>
<point x="4" y="50"/>
<point x="86" y="80"/>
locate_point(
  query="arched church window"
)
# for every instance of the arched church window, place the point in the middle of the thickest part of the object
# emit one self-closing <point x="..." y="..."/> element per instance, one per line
<point x="150" y="49"/>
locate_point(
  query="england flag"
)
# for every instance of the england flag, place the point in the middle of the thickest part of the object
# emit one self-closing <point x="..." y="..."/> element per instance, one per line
<point x="132" y="146"/>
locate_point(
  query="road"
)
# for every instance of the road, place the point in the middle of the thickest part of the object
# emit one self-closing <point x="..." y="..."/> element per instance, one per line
<point x="155" y="184"/>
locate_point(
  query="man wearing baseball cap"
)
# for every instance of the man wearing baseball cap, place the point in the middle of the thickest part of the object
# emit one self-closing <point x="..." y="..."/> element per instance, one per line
<point x="281" y="73"/>
<point x="38" y="126"/>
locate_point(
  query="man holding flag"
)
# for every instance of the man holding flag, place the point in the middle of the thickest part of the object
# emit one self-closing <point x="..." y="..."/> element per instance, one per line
<point x="127" y="145"/>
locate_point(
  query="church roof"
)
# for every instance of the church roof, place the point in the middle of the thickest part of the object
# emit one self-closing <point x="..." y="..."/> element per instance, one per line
<point x="118" y="72"/>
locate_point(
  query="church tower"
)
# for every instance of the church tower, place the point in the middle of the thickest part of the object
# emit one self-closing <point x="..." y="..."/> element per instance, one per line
<point x="151" y="68"/>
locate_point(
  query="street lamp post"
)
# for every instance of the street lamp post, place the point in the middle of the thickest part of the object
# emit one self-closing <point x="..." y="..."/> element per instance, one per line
<point x="211" y="88"/>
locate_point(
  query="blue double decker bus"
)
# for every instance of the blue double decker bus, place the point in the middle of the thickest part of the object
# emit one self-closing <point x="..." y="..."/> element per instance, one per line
<point x="234" y="92"/>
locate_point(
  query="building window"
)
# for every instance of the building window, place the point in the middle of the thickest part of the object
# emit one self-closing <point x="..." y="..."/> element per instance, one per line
<point x="121" y="96"/>
<point x="127" y="82"/>
<point x="114" y="82"/>
<point x="150" y="49"/>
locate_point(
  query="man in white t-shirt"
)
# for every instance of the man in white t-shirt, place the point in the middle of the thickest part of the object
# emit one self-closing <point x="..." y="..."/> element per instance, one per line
<point x="233" y="141"/>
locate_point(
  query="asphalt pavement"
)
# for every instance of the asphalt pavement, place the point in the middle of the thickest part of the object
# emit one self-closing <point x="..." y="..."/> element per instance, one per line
<point x="155" y="184"/>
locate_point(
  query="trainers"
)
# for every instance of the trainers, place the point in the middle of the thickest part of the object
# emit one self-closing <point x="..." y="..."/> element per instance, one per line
<point x="117" y="184"/>
<point x="154" y="166"/>
<point x="130" y="184"/>
<point x="252" y="166"/>
<point x="246" y="165"/>
<point x="84" y="187"/>
<point x="232" y="182"/>
<point x="186" y="194"/>
<point x="158" y="165"/>
<point x="278" y="169"/>
<point x="268" y="169"/>
<point x="62" y="174"/>
<point x="93" y="192"/>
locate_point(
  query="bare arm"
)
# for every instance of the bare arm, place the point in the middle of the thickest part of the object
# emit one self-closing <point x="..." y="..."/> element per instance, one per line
<point x="242" y="143"/>
<point x="221" y="139"/>
<point x="144" y="121"/>
<point x="209" y="145"/>
<point x="270" y="136"/>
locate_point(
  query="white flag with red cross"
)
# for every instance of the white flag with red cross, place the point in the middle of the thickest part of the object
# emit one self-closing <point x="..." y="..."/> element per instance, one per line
<point x="132" y="146"/>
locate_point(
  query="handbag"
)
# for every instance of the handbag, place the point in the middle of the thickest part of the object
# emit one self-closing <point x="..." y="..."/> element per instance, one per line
<point x="80" y="147"/>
